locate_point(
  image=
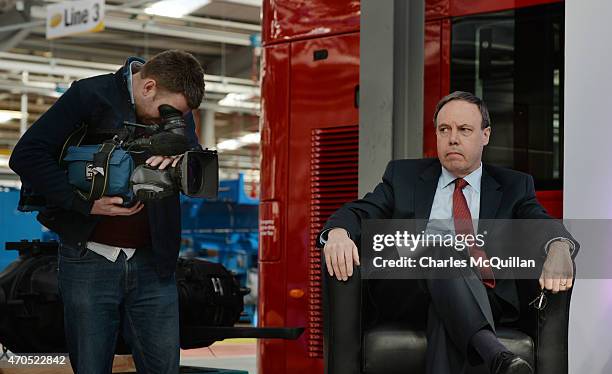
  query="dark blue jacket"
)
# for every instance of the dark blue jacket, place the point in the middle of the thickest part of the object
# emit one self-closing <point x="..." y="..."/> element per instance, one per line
<point x="101" y="102"/>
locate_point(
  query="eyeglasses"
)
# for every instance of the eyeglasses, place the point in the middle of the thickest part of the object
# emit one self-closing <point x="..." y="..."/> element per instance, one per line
<point x="540" y="301"/>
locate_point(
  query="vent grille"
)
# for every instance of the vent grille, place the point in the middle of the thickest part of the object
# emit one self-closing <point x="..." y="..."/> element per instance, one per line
<point x="333" y="182"/>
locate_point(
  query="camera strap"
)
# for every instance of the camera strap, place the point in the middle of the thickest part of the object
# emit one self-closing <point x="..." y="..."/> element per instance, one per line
<point x="100" y="171"/>
<point x="118" y="135"/>
<point x="74" y="139"/>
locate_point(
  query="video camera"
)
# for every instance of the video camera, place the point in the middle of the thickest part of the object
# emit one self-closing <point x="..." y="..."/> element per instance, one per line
<point x="197" y="173"/>
<point x="116" y="167"/>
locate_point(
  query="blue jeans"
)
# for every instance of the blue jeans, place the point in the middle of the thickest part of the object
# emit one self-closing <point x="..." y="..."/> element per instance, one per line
<point x="102" y="297"/>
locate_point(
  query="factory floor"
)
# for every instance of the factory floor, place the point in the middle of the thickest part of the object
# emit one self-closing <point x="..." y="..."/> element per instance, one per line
<point x="226" y="354"/>
<point x="237" y="354"/>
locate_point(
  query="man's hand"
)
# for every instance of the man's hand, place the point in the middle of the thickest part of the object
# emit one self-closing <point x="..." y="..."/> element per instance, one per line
<point x="107" y="206"/>
<point x="558" y="271"/>
<point x="163" y="161"/>
<point x="340" y="254"/>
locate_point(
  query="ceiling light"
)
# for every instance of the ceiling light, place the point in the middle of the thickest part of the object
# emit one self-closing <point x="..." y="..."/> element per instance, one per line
<point x="256" y="3"/>
<point x="4" y="161"/>
<point x="175" y="8"/>
<point x="251" y="138"/>
<point x="7" y="115"/>
<point x="228" y="145"/>
<point x="240" y="100"/>
<point x="244" y="140"/>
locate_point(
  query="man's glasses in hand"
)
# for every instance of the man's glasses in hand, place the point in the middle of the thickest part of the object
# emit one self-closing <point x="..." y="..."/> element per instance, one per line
<point x="540" y="301"/>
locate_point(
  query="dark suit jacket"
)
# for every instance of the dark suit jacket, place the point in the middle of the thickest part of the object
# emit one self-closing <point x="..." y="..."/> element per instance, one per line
<point x="408" y="188"/>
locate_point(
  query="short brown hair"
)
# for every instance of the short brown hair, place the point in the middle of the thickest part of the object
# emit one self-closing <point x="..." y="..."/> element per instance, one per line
<point x="468" y="97"/>
<point x="178" y="72"/>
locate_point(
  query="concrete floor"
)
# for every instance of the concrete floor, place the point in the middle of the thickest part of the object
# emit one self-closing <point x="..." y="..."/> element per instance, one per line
<point x="228" y="354"/>
<point x="237" y="354"/>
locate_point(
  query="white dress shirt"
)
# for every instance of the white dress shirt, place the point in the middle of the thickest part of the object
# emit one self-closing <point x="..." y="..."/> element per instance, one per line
<point x="442" y="207"/>
<point x="111" y="253"/>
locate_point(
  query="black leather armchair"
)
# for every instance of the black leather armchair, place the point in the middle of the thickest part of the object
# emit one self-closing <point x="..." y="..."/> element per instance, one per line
<point x="383" y="337"/>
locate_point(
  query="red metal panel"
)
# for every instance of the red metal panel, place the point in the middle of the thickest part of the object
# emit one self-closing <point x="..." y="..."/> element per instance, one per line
<point x="271" y="312"/>
<point x="432" y="80"/>
<point x="437" y="77"/>
<point x="333" y="181"/>
<point x="274" y="121"/>
<point x="270" y="231"/>
<point x="552" y="202"/>
<point x="436" y="9"/>
<point x="445" y="59"/>
<point x="274" y="172"/>
<point x="466" y="7"/>
<point x="297" y="19"/>
<point x="322" y="97"/>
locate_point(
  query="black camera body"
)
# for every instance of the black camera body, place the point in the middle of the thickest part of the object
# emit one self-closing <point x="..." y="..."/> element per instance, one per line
<point x="196" y="174"/>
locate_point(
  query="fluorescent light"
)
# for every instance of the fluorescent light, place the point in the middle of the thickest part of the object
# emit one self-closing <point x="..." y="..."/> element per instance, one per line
<point x="251" y="138"/>
<point x="256" y="3"/>
<point x="240" y="100"/>
<point x="175" y="8"/>
<point x="7" y="115"/>
<point x="233" y="144"/>
<point x="228" y="145"/>
<point x="4" y="161"/>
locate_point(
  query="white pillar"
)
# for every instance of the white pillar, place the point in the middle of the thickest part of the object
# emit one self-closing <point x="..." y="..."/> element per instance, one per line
<point x="207" y="138"/>
<point x="588" y="172"/>
<point x="24" y="105"/>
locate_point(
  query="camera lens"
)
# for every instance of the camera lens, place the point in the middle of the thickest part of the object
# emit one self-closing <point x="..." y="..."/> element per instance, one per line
<point x="194" y="175"/>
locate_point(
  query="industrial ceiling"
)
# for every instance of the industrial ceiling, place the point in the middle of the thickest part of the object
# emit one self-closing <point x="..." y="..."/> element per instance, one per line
<point x="221" y="34"/>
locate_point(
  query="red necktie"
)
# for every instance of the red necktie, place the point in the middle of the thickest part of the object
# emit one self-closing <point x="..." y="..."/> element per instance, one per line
<point x="463" y="225"/>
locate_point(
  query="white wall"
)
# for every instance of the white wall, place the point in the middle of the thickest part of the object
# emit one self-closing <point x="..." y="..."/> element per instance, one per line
<point x="588" y="170"/>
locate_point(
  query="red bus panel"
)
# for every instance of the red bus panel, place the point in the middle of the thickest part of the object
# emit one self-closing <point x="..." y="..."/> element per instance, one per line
<point x="323" y="139"/>
<point x="309" y="131"/>
<point x="288" y="20"/>
<point x="274" y="128"/>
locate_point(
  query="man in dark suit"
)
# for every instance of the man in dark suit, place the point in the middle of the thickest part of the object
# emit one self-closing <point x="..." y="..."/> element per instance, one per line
<point x="457" y="187"/>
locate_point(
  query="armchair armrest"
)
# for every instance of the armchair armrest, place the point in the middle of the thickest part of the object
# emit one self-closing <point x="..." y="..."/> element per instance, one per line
<point x="342" y="322"/>
<point x="551" y="345"/>
<point x="548" y="328"/>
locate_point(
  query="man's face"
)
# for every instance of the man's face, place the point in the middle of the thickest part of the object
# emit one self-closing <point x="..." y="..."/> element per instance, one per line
<point x="148" y="97"/>
<point x="460" y="137"/>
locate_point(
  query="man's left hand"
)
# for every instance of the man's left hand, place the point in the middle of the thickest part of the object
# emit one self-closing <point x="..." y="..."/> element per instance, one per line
<point x="558" y="271"/>
<point x="163" y="161"/>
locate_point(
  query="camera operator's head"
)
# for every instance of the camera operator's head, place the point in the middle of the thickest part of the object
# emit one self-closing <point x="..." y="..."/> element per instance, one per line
<point x="172" y="77"/>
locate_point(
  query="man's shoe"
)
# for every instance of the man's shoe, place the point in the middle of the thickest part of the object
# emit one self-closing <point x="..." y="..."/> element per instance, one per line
<point x="509" y="363"/>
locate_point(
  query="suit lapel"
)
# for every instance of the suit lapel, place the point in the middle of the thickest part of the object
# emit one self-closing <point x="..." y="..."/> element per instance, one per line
<point x="490" y="196"/>
<point x="425" y="190"/>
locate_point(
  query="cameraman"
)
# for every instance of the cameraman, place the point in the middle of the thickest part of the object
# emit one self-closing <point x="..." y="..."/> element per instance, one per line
<point x="116" y="264"/>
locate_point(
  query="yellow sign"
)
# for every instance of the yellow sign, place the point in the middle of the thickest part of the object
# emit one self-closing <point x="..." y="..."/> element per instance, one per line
<point x="74" y="17"/>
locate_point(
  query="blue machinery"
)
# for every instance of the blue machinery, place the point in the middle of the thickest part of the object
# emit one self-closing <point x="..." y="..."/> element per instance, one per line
<point x="225" y="230"/>
<point x="14" y="225"/>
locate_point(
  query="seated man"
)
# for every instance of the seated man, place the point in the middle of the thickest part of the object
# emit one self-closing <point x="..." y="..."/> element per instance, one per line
<point x="459" y="187"/>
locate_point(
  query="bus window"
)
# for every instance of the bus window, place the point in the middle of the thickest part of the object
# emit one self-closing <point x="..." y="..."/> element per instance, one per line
<point x="514" y="61"/>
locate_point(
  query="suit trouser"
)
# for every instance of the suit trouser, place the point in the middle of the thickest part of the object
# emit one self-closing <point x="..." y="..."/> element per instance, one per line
<point x="459" y="307"/>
